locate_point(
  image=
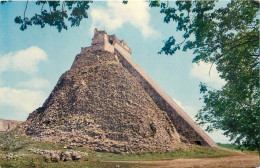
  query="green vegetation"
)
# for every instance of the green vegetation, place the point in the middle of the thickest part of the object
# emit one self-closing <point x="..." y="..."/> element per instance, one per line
<point x="234" y="147"/>
<point x="98" y="159"/>
<point x="30" y="161"/>
<point x="225" y="34"/>
<point x="13" y="141"/>
<point x="55" y="13"/>
<point x="20" y="144"/>
<point x="193" y="152"/>
<point x="222" y="33"/>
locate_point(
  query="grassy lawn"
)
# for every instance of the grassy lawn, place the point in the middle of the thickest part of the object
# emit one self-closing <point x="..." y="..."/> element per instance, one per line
<point x="19" y="145"/>
<point x="98" y="159"/>
<point x="193" y="152"/>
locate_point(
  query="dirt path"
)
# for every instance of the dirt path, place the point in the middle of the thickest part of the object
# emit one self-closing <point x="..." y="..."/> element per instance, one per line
<point x="245" y="161"/>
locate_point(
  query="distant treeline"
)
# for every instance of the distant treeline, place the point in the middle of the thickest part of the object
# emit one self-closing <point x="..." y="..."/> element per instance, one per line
<point x="235" y="147"/>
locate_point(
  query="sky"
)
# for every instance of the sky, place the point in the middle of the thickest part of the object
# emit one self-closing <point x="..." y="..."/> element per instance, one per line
<point x="32" y="61"/>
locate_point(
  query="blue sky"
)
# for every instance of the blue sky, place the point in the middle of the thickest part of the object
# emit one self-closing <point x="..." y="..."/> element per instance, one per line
<point x="32" y="61"/>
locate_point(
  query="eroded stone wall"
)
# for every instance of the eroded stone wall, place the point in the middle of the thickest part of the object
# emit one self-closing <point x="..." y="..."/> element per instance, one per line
<point x="98" y="103"/>
<point x="184" y="124"/>
<point x="85" y="59"/>
<point x="104" y="42"/>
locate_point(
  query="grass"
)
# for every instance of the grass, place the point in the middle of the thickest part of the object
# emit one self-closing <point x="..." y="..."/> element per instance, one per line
<point x="38" y="161"/>
<point x="234" y="147"/>
<point x="18" y="144"/>
<point x="98" y="159"/>
<point x="193" y="152"/>
<point x="13" y="141"/>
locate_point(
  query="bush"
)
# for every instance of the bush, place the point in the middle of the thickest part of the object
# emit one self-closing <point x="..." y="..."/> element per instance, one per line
<point x="13" y="141"/>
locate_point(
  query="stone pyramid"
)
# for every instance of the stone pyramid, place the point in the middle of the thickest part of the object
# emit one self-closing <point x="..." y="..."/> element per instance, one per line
<point x="108" y="103"/>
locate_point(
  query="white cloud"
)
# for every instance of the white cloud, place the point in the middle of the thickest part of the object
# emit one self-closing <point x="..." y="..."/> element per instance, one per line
<point x="117" y="14"/>
<point x="218" y="136"/>
<point x="35" y="83"/>
<point x="202" y="70"/>
<point x="22" y="101"/>
<point x="24" y="60"/>
<point x="18" y="103"/>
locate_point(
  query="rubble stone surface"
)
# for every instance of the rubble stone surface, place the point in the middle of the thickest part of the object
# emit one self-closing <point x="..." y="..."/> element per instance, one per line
<point x="108" y="103"/>
<point x="101" y="105"/>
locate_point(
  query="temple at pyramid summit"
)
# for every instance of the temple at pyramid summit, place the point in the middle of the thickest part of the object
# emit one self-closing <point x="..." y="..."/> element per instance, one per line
<point x="106" y="102"/>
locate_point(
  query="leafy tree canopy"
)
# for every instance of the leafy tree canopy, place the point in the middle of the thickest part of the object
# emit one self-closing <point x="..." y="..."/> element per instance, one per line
<point x="228" y="37"/>
<point x="55" y="13"/>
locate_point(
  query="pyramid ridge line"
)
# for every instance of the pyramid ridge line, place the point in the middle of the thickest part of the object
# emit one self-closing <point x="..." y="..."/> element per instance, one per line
<point x="106" y="68"/>
<point x="152" y="88"/>
<point x="100" y="42"/>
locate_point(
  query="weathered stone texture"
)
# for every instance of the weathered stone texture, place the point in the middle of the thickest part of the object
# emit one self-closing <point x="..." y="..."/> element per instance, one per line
<point x="107" y="102"/>
<point x="103" y="42"/>
<point x="183" y="123"/>
<point x="103" y="106"/>
<point x="88" y="58"/>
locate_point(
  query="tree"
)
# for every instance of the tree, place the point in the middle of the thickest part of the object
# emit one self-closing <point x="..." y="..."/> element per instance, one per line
<point x="228" y="37"/>
<point x="55" y="13"/>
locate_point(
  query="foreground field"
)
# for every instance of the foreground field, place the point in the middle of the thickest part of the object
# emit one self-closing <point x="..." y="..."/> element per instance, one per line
<point x="240" y="161"/>
<point x="245" y="160"/>
<point x="20" y="146"/>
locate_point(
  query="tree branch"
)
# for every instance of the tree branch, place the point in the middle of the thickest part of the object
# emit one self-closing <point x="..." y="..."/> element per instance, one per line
<point x="211" y="67"/>
<point x="233" y="41"/>
<point x="255" y="2"/>
<point x="231" y="48"/>
<point x="25" y="9"/>
<point x="253" y="66"/>
<point x="255" y="55"/>
<point x="50" y="7"/>
<point x="63" y="6"/>
<point x="180" y="43"/>
<point x="42" y="6"/>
